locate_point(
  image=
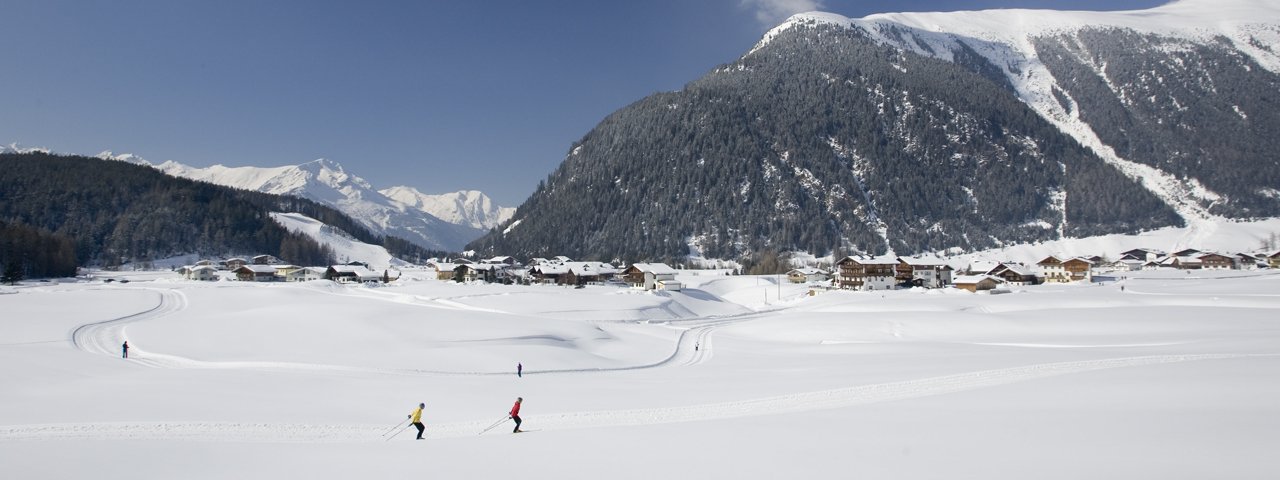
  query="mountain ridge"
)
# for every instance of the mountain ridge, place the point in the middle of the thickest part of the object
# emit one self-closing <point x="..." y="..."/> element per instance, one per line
<point x="328" y="182"/>
<point x="871" y="135"/>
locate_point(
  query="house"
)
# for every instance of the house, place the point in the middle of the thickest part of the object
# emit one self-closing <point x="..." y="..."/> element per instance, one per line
<point x="483" y="272"/>
<point x="234" y="263"/>
<point x="1055" y="270"/>
<point x="583" y="273"/>
<point x="1141" y="254"/>
<point x="204" y="263"/>
<point x="1015" y="274"/>
<point x="922" y="272"/>
<point x="867" y="273"/>
<point x="203" y="273"/>
<point x="1273" y="260"/>
<point x="808" y="275"/>
<point x="503" y="260"/>
<point x="1078" y="270"/>
<point x="1190" y="252"/>
<point x="651" y="276"/>
<point x="351" y="274"/>
<point x="284" y="270"/>
<point x="265" y="260"/>
<point x="1216" y="261"/>
<point x="550" y="273"/>
<point x="1248" y="262"/>
<point x="306" y="274"/>
<point x="1126" y="264"/>
<point x="1184" y="262"/>
<point x="255" y="273"/>
<point x="976" y="283"/>
<point x="444" y="270"/>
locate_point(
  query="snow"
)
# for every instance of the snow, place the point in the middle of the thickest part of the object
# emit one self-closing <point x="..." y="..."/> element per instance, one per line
<point x="303" y="380"/>
<point x="345" y="248"/>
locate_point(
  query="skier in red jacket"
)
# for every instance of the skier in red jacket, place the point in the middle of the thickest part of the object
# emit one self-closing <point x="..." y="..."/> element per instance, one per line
<point x="515" y="414"/>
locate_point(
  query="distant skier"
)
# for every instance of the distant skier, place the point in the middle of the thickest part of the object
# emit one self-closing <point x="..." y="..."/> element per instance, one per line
<point x="515" y="414"/>
<point x="416" y="418"/>
<point x="520" y="370"/>
<point x="124" y="350"/>
<point x="696" y="345"/>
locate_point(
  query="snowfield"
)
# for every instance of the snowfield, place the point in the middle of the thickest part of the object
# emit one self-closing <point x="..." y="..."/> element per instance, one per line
<point x="734" y="377"/>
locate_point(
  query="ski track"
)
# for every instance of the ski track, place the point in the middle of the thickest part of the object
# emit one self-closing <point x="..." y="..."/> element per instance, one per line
<point x="105" y="338"/>
<point x="793" y="403"/>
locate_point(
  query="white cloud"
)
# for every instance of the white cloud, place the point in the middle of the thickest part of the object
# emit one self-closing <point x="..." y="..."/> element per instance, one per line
<point x="773" y="12"/>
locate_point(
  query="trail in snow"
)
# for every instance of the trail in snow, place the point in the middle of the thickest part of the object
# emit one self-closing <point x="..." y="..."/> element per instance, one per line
<point x="793" y="403"/>
<point x="105" y="338"/>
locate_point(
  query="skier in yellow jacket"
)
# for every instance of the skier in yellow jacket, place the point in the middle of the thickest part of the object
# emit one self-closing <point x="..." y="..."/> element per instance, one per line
<point x="416" y="417"/>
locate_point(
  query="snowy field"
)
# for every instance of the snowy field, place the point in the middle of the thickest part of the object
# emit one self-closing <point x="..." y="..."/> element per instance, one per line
<point x="1173" y="377"/>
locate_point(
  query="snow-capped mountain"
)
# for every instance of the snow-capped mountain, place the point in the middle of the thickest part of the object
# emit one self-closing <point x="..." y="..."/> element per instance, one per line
<point x="1174" y="55"/>
<point x="918" y="132"/>
<point x="326" y="181"/>
<point x="15" y="148"/>
<point x="468" y="207"/>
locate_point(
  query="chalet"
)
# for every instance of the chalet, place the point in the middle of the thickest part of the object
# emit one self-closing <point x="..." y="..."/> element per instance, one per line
<point x="255" y="273"/>
<point x="205" y="263"/>
<point x="1184" y="262"/>
<point x="199" y="272"/>
<point x="808" y="275"/>
<point x="1125" y="265"/>
<point x="976" y="283"/>
<point x="922" y="272"/>
<point x="551" y="273"/>
<point x="1247" y="262"/>
<point x="234" y="263"/>
<point x="1216" y="261"/>
<point x="1055" y="270"/>
<point x="867" y="273"/>
<point x="584" y="273"/>
<point x="444" y="270"/>
<point x="1273" y="260"/>
<point x="651" y="276"/>
<point x="1141" y="254"/>
<point x="481" y="272"/>
<point x="283" y="271"/>
<point x="500" y="260"/>
<point x="979" y="267"/>
<point x="306" y="274"/>
<point x="1190" y="252"/>
<point x="1015" y="274"/>
<point x="265" y="260"/>
<point x="351" y="274"/>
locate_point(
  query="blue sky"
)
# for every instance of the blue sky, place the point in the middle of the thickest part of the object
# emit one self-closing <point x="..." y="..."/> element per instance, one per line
<point x="438" y="95"/>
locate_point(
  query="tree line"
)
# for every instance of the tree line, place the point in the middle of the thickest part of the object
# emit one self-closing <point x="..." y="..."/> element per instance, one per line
<point x="111" y="212"/>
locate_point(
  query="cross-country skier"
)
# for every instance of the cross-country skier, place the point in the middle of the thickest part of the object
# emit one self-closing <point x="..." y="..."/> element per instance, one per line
<point x="416" y="417"/>
<point x="515" y="414"/>
<point x="124" y="350"/>
<point x="519" y="369"/>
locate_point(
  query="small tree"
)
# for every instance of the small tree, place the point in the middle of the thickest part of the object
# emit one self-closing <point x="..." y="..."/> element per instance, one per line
<point x="12" y="273"/>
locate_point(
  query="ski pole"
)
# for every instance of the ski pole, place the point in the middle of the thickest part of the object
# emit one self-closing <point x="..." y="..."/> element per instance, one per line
<point x="397" y="426"/>
<point x="406" y="427"/>
<point x="495" y="424"/>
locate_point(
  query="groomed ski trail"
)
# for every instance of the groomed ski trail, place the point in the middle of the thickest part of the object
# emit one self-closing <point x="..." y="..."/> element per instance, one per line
<point x="793" y="403"/>
<point x="106" y="337"/>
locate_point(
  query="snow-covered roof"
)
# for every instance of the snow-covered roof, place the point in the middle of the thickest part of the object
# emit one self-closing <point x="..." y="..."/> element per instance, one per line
<point x="655" y="268"/>
<point x="968" y="279"/>
<point x="873" y="260"/>
<point x="923" y="261"/>
<point x="591" y="268"/>
<point x="258" y="269"/>
<point x="807" y="271"/>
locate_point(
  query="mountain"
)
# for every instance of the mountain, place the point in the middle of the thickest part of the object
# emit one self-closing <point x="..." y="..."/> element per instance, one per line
<point x="941" y="132"/>
<point x="327" y="182"/>
<point x="468" y="207"/>
<point x="59" y="210"/>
